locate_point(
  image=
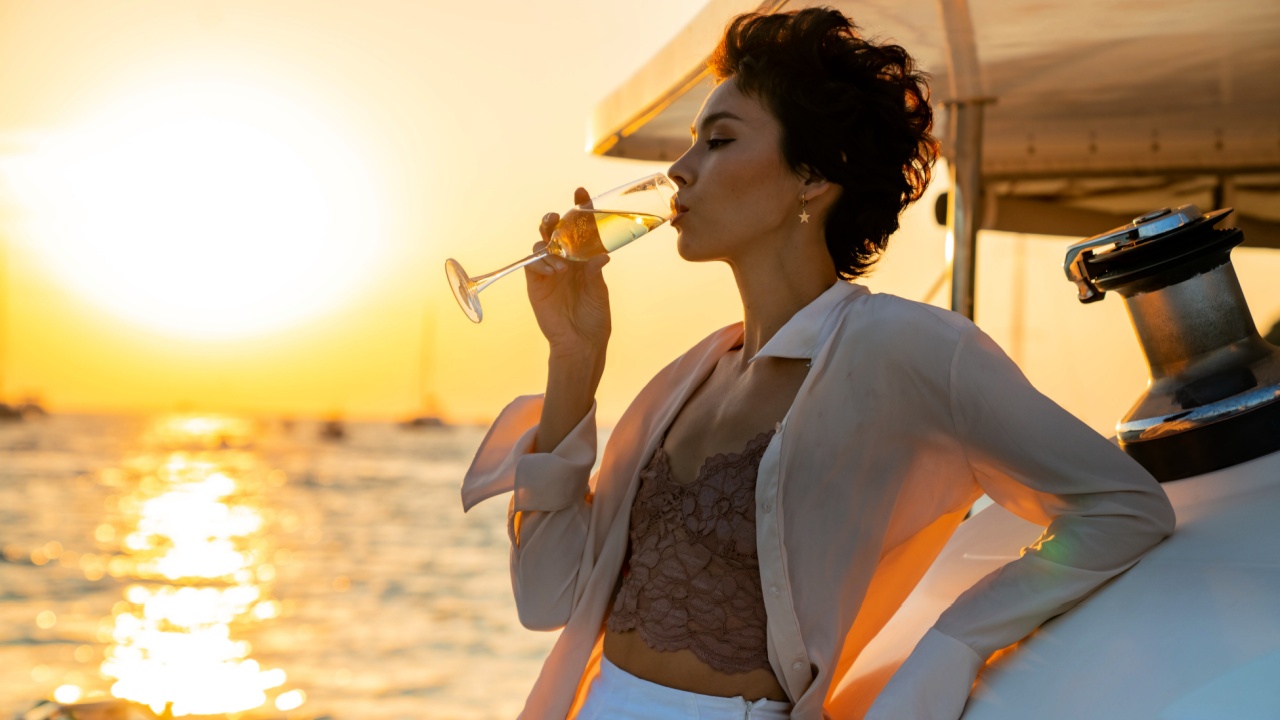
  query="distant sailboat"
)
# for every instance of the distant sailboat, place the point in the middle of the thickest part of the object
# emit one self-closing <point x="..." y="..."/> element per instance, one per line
<point x="428" y="415"/>
<point x="333" y="429"/>
<point x="29" y="407"/>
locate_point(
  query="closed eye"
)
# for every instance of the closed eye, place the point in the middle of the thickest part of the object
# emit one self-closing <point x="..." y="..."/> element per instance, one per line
<point x="714" y="143"/>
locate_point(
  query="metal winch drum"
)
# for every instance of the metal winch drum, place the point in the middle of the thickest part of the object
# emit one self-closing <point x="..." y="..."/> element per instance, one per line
<point x="1214" y="396"/>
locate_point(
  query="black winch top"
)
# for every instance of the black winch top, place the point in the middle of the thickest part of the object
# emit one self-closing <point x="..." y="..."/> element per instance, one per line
<point x="1161" y="248"/>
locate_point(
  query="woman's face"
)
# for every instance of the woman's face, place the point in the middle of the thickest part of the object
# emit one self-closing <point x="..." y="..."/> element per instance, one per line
<point x="735" y="188"/>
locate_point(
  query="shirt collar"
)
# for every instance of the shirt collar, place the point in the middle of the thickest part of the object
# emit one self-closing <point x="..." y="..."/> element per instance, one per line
<point x="805" y="333"/>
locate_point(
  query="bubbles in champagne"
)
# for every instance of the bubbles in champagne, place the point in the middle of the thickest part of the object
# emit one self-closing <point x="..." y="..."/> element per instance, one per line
<point x="583" y="234"/>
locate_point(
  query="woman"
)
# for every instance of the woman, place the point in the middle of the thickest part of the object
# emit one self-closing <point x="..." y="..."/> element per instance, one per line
<point x="773" y="495"/>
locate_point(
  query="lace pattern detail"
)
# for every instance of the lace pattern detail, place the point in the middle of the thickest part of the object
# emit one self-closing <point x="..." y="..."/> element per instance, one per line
<point x="694" y="579"/>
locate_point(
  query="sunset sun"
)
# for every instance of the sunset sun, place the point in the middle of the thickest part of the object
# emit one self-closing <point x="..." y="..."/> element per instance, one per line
<point x="208" y="211"/>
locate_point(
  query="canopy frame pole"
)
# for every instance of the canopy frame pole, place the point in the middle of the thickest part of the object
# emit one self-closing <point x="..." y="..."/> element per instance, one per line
<point x="964" y="203"/>
<point x="964" y="123"/>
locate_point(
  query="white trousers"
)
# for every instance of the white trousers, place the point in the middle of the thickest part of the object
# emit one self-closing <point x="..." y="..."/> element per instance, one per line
<point x="616" y="694"/>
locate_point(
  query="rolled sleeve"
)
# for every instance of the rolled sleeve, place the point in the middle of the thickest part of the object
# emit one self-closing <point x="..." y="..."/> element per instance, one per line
<point x="505" y="461"/>
<point x="555" y="480"/>
<point x="548" y="516"/>
<point x="932" y="684"/>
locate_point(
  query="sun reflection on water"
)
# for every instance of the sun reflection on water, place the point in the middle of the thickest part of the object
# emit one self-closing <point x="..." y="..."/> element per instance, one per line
<point x="194" y="541"/>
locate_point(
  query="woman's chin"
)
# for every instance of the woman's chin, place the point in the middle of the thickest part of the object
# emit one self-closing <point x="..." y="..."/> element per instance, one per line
<point x="688" y="251"/>
<point x="682" y="247"/>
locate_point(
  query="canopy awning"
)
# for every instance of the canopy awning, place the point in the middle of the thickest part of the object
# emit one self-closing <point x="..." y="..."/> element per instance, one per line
<point x="1096" y="105"/>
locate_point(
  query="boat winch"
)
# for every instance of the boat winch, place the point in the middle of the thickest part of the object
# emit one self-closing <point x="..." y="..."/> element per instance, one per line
<point x="1213" y="400"/>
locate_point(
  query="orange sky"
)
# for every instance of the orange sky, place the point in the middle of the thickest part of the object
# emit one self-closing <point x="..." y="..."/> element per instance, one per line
<point x="436" y="130"/>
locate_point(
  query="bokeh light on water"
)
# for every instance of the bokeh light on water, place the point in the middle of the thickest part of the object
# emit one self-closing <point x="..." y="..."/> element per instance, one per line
<point x="196" y="544"/>
<point x="347" y="566"/>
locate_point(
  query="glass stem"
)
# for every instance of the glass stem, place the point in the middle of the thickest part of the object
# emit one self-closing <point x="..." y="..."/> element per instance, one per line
<point x="483" y="281"/>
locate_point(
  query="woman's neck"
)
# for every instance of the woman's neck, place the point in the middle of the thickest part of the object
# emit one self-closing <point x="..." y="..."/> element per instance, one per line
<point x="776" y="286"/>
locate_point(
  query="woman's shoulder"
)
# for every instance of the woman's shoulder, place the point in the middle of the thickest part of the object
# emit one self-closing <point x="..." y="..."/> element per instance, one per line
<point x="900" y="350"/>
<point x="889" y="322"/>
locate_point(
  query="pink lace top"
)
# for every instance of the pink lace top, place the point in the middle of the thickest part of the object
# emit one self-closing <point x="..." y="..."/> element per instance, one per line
<point x="694" y="580"/>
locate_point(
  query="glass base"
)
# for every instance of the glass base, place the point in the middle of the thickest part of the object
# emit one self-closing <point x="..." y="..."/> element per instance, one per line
<point x="463" y="290"/>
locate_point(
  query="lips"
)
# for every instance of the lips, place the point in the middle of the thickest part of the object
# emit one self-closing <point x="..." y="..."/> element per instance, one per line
<point x="678" y="209"/>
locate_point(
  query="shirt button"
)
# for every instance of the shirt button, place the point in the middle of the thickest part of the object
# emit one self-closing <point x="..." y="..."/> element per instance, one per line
<point x="773" y="591"/>
<point x="767" y="507"/>
<point x="797" y="666"/>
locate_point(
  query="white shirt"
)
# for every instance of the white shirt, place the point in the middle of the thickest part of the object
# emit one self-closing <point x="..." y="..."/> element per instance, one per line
<point x="908" y="413"/>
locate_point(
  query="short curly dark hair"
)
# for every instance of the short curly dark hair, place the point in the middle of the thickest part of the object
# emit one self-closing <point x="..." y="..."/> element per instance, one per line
<point x="853" y="112"/>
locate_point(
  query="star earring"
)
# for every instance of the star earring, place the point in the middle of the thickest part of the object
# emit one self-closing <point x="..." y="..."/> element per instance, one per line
<point x="804" y="216"/>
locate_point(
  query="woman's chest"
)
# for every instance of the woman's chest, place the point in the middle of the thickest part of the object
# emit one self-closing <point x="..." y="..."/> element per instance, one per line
<point x="729" y="410"/>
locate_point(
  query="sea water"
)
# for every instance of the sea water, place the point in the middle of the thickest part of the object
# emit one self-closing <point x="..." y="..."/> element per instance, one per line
<point x="342" y="571"/>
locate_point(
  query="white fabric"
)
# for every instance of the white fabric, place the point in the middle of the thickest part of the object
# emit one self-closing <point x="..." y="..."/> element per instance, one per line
<point x="907" y="415"/>
<point x="1080" y="87"/>
<point x="1188" y="633"/>
<point x="616" y="694"/>
<point x="933" y="665"/>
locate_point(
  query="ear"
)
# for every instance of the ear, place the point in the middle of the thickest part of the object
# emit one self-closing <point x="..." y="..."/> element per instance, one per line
<point x="814" y="184"/>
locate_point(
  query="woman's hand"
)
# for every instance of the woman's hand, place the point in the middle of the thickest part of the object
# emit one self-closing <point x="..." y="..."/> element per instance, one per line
<point x="570" y="299"/>
<point x="571" y="303"/>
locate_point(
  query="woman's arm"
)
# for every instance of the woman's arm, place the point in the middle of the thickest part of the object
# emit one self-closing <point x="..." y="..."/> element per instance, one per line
<point x="571" y="304"/>
<point x="573" y="375"/>
<point x="542" y="448"/>
<point x="1103" y="511"/>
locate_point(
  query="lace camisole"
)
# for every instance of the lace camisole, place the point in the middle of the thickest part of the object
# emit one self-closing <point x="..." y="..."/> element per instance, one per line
<point x="694" y="577"/>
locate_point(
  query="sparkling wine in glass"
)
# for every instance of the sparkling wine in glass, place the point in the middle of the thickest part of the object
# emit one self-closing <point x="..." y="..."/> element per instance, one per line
<point x="601" y="225"/>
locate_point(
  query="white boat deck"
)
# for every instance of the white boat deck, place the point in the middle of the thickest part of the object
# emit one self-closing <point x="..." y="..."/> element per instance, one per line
<point x="1191" y="631"/>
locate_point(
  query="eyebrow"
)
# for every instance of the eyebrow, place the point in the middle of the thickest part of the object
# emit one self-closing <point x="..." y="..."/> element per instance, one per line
<point x="722" y="115"/>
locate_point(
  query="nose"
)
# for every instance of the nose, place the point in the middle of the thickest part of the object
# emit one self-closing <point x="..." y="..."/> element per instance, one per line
<point x="681" y="171"/>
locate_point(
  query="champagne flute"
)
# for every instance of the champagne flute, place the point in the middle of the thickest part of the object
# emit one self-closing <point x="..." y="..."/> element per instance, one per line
<point x="600" y="225"/>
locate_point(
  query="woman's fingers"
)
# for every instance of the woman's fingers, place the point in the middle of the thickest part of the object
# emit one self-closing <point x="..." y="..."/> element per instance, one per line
<point x="548" y="225"/>
<point x="551" y="264"/>
<point x="595" y="276"/>
<point x="540" y="266"/>
<point x="596" y="264"/>
<point x="548" y="265"/>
